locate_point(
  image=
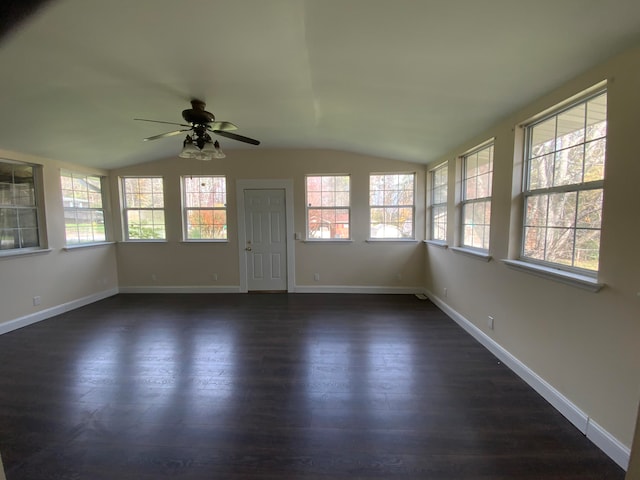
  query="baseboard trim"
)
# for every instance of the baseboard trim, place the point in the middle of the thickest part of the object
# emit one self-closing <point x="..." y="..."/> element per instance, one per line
<point x="617" y="451"/>
<point x="182" y="289"/>
<point x="610" y="445"/>
<point x="53" y="311"/>
<point x="358" y="289"/>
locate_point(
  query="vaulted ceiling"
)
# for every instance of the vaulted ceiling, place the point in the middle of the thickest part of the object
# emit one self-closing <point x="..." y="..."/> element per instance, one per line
<point x="404" y="79"/>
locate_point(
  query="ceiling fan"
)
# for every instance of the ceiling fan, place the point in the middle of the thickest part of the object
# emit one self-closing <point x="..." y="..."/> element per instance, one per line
<point x="198" y="144"/>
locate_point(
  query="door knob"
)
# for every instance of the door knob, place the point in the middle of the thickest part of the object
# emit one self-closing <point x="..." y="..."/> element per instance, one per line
<point x="248" y="249"/>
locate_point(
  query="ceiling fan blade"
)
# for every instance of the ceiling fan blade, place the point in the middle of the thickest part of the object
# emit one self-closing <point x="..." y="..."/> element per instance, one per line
<point x="221" y="126"/>
<point x="159" y="121"/>
<point x="168" y="134"/>
<point x="235" y="136"/>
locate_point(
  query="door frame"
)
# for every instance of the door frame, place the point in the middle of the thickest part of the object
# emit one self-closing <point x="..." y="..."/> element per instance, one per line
<point x="266" y="184"/>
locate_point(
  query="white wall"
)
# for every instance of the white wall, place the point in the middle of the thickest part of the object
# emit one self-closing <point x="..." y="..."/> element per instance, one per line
<point x="370" y="265"/>
<point x="585" y="345"/>
<point x="61" y="278"/>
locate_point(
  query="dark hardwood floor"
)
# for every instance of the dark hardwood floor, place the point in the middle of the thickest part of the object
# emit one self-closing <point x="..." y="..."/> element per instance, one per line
<point x="273" y="387"/>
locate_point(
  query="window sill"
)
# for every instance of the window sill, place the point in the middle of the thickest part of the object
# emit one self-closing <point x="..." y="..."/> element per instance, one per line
<point x="329" y="240"/>
<point x="479" y="254"/>
<point x="387" y="240"/>
<point x="569" y="278"/>
<point x="437" y="243"/>
<point x="87" y="245"/>
<point x="6" y="254"/>
<point x="134" y="242"/>
<point x="205" y="241"/>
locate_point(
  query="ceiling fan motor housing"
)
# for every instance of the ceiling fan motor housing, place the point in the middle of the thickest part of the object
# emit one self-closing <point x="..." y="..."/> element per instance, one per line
<point x="197" y="115"/>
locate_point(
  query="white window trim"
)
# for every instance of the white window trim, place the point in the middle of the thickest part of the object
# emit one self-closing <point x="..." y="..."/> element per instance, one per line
<point x="125" y="209"/>
<point x="413" y="207"/>
<point x="461" y="247"/>
<point x="105" y="202"/>
<point x="563" y="276"/>
<point x="431" y="204"/>
<point x="552" y="270"/>
<point x="309" y="239"/>
<point x="43" y="244"/>
<point x="186" y="209"/>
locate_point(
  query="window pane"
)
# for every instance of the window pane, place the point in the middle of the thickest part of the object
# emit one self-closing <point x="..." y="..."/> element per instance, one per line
<point x="534" y="242"/>
<point x="587" y="249"/>
<point x="543" y="137"/>
<point x="560" y="245"/>
<point x="570" y="215"/>
<point x="562" y="209"/>
<point x="568" y="166"/>
<point x="536" y="210"/>
<point x="476" y="205"/>
<point x="82" y="200"/>
<point x="594" y="160"/>
<point x="571" y="127"/>
<point x="205" y="207"/>
<point x="597" y="117"/>
<point x="541" y="172"/>
<point x="589" y="209"/>
<point x="27" y="218"/>
<point x="29" y="237"/>
<point x="18" y="211"/>
<point x="9" y="238"/>
<point x="326" y="193"/>
<point x="8" y="218"/>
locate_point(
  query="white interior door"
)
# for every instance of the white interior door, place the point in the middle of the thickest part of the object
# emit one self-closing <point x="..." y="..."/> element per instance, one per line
<point x="266" y="239"/>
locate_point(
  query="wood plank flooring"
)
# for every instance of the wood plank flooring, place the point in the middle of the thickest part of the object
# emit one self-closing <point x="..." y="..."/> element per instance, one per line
<point x="273" y="387"/>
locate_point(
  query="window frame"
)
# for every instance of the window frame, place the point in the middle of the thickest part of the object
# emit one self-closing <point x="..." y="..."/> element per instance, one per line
<point x="309" y="207"/>
<point x="103" y="200"/>
<point x="37" y="206"/>
<point x="186" y="209"/>
<point x="465" y="201"/>
<point x="590" y="186"/>
<point x="433" y="205"/>
<point x="126" y="209"/>
<point x="412" y="206"/>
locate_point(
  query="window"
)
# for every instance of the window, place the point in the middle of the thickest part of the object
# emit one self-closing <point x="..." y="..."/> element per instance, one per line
<point x="143" y="208"/>
<point x="83" y="208"/>
<point x="328" y="210"/>
<point x="19" y="213"/>
<point x="477" y="176"/>
<point x="564" y="173"/>
<point x="204" y="207"/>
<point x="438" y="200"/>
<point x="391" y="205"/>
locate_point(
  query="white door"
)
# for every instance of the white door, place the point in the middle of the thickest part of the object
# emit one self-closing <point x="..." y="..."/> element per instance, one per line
<point x="266" y="239"/>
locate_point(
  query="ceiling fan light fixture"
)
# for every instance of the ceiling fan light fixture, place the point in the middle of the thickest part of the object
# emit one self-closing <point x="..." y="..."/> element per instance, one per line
<point x="218" y="153"/>
<point x="189" y="149"/>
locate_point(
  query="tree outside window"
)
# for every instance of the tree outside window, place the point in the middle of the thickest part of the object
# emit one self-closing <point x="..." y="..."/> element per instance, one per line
<point x="143" y="201"/>
<point x="205" y="207"/>
<point x="564" y="186"/>
<point x="328" y="207"/>
<point x="391" y="205"/>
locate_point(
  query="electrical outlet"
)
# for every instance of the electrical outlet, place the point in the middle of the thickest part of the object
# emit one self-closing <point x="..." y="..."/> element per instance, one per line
<point x="154" y="277"/>
<point x="445" y="292"/>
<point x="490" y="322"/>
<point x="36" y="301"/>
<point x="214" y="277"/>
<point x="316" y="277"/>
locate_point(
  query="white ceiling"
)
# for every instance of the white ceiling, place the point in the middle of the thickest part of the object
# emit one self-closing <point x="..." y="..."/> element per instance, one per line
<point x="404" y="79"/>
